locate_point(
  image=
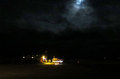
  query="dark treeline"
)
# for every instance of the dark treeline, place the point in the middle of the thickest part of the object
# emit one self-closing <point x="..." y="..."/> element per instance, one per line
<point x="88" y="43"/>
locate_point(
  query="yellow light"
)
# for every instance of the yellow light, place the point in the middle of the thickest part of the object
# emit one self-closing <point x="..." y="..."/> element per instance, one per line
<point x="43" y="57"/>
<point x="48" y="63"/>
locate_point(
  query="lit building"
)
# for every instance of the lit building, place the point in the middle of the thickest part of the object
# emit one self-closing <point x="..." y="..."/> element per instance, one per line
<point x="43" y="59"/>
<point x="55" y="61"/>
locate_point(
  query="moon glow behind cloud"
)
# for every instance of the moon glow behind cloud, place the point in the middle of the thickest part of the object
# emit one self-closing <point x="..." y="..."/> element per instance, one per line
<point x="80" y="13"/>
<point x="75" y="6"/>
<point x="78" y="4"/>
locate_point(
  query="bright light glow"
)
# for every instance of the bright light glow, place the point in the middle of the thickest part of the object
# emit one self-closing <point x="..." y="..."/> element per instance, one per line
<point x="43" y="57"/>
<point x="57" y="64"/>
<point x="32" y="57"/>
<point x="48" y="63"/>
<point x="55" y="61"/>
<point x="79" y="2"/>
<point x="60" y="61"/>
<point x="23" y="57"/>
<point x="76" y="6"/>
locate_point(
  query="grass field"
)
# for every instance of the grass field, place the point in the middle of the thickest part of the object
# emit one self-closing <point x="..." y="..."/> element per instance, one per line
<point x="67" y="71"/>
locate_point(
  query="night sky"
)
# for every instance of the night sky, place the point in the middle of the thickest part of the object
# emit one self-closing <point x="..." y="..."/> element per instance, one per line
<point x="87" y="27"/>
<point x="56" y="15"/>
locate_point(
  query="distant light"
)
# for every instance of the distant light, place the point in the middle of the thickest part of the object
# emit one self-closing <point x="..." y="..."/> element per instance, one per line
<point x="23" y="57"/>
<point x="32" y="57"/>
<point x="78" y="61"/>
<point x="105" y="58"/>
<point x="57" y="64"/>
<point x="59" y="61"/>
<point x="43" y="57"/>
<point x="37" y="55"/>
<point x="49" y="60"/>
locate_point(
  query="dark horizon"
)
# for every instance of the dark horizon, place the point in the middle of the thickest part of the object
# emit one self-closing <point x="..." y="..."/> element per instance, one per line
<point x="93" y="43"/>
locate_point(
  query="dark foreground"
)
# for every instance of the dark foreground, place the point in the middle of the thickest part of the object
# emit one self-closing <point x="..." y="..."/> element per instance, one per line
<point x="37" y="71"/>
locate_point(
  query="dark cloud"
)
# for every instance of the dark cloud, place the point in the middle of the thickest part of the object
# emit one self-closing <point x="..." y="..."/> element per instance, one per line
<point x="39" y="15"/>
<point x="54" y="15"/>
<point x="43" y="22"/>
<point x="107" y="11"/>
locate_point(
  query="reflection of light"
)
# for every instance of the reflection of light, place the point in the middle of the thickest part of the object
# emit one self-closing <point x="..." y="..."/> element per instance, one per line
<point x="56" y="63"/>
<point x="48" y="63"/>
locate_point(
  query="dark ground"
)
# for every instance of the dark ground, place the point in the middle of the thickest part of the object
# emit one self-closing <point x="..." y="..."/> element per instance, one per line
<point x="66" y="71"/>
